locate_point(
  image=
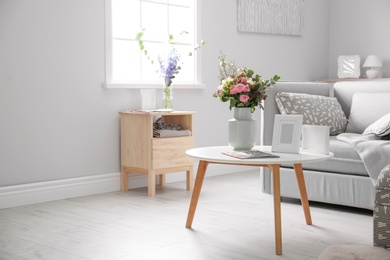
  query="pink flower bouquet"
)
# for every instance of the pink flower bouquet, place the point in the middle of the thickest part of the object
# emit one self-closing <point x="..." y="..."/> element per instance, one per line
<point x="240" y="86"/>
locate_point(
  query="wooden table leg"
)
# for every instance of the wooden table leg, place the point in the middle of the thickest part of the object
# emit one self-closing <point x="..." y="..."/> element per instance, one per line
<point x="202" y="167"/>
<point x="151" y="183"/>
<point x="275" y="168"/>
<point x="302" y="191"/>
<point x="124" y="179"/>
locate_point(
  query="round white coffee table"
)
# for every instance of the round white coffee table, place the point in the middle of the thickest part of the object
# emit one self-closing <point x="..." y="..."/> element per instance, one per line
<point x="213" y="155"/>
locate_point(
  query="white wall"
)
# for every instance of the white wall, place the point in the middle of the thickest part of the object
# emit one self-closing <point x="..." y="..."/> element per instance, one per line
<point x="56" y="120"/>
<point x="291" y="57"/>
<point x="359" y="27"/>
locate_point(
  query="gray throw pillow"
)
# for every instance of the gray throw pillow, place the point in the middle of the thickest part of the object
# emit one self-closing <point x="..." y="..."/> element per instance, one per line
<point x="381" y="127"/>
<point x="316" y="110"/>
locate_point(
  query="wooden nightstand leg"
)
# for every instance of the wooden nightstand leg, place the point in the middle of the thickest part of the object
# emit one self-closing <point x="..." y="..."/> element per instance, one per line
<point x="161" y="180"/>
<point x="151" y="183"/>
<point x="124" y="179"/>
<point x="190" y="178"/>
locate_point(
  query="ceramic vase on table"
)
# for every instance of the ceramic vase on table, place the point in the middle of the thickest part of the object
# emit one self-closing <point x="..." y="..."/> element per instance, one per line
<point x="167" y="94"/>
<point x="242" y="129"/>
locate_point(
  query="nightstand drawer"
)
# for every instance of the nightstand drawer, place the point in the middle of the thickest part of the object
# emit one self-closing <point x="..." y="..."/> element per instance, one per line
<point x="170" y="152"/>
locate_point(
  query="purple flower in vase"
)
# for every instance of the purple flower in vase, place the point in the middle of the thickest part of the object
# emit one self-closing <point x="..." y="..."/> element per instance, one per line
<point x="169" y="65"/>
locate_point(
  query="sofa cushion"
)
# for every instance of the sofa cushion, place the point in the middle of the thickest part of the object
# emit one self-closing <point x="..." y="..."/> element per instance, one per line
<point x="381" y="127"/>
<point x="345" y="160"/>
<point x="366" y="108"/>
<point x="316" y="110"/>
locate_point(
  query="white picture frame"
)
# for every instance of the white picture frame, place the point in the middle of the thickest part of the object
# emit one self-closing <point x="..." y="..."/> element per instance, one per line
<point x="315" y="139"/>
<point x="349" y="67"/>
<point x="287" y="133"/>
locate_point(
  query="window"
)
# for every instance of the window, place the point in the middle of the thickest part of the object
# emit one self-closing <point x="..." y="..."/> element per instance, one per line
<point x="126" y="66"/>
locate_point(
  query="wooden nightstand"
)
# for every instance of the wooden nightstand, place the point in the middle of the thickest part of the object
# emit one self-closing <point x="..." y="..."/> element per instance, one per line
<point x="143" y="154"/>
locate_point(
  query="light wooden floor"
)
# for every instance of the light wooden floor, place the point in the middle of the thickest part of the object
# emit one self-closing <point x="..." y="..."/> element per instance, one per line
<point x="234" y="220"/>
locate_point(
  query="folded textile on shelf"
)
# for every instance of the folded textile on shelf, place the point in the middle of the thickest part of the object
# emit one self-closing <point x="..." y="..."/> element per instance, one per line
<point x="161" y="133"/>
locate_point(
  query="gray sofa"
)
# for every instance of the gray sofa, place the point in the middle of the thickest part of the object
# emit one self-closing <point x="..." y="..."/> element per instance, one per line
<point x="343" y="179"/>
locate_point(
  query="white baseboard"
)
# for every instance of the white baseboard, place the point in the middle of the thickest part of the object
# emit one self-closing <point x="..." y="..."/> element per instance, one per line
<point x="25" y="194"/>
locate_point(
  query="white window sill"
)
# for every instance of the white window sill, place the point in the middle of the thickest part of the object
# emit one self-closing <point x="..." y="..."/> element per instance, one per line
<point x="120" y="85"/>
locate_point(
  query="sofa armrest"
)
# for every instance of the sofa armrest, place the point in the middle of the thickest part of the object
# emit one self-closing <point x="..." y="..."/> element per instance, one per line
<point x="271" y="109"/>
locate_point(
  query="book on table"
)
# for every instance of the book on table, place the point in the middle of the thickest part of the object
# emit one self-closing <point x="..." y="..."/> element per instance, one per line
<point x="249" y="154"/>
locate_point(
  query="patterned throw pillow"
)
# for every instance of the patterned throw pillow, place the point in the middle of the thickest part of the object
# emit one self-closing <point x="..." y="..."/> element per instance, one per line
<point x="381" y="127"/>
<point x="316" y="110"/>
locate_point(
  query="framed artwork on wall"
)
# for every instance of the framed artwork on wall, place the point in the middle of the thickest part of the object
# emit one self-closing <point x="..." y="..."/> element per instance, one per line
<point x="349" y="67"/>
<point x="271" y="16"/>
<point x="287" y="133"/>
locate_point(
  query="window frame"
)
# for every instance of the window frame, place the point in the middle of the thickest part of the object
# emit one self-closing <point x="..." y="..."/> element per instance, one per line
<point x="111" y="84"/>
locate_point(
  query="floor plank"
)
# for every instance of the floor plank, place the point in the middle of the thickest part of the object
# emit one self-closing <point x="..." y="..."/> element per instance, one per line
<point x="234" y="220"/>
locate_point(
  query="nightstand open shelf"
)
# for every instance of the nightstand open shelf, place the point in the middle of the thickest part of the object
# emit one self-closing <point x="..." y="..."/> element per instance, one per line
<point x="143" y="154"/>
